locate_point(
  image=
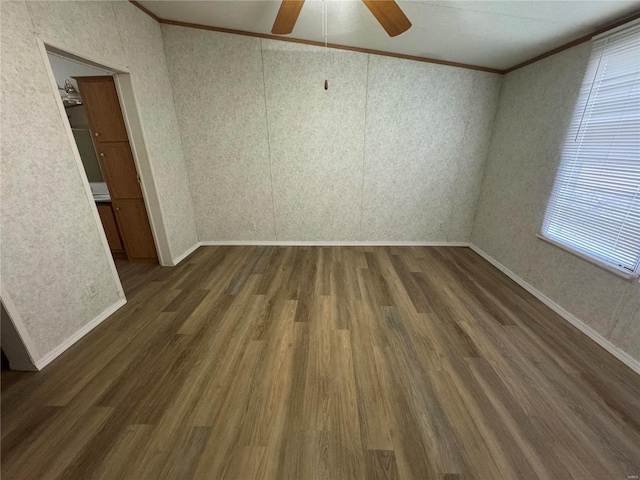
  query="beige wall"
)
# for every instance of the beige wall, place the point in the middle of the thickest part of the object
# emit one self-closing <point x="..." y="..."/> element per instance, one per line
<point x="536" y="104"/>
<point x="393" y="151"/>
<point x="51" y="243"/>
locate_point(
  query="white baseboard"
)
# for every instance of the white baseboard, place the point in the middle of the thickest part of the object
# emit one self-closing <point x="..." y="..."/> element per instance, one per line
<point x="621" y="355"/>
<point x="569" y="317"/>
<point x="56" y="352"/>
<point x="188" y="252"/>
<point x="332" y="243"/>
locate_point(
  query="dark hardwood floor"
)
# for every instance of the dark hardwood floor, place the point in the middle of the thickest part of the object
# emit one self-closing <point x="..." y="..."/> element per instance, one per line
<point x="329" y="363"/>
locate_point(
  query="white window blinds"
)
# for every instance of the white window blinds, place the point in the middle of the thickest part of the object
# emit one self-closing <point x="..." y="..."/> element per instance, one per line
<point x="595" y="204"/>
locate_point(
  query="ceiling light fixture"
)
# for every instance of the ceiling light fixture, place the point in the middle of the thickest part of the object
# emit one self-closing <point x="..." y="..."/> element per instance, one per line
<point x="72" y="96"/>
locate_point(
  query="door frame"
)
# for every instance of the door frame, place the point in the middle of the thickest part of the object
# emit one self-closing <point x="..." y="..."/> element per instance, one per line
<point x="18" y="345"/>
<point x="129" y="107"/>
<point x="26" y="355"/>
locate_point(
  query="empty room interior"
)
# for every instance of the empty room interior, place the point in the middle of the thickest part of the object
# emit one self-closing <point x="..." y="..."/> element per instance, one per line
<point x="332" y="239"/>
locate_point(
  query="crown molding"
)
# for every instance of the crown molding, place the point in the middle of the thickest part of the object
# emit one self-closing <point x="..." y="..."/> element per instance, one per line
<point x="315" y="43"/>
<point x="330" y="45"/>
<point x="148" y="12"/>
<point x="573" y="43"/>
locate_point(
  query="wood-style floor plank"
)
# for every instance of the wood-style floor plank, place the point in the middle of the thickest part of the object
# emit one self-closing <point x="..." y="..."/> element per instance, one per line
<point x="325" y="363"/>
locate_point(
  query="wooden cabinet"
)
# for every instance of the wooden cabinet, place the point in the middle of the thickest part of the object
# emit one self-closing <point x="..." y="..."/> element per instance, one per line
<point x="118" y="166"/>
<point x="132" y="218"/>
<point x="111" y="229"/>
<point x="119" y="170"/>
<point x="103" y="108"/>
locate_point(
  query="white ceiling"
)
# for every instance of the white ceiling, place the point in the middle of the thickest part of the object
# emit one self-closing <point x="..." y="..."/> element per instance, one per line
<point x="495" y="34"/>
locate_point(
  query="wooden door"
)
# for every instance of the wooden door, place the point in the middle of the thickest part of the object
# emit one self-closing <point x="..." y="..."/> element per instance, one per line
<point x="101" y="103"/>
<point x="111" y="229"/>
<point x="132" y="217"/>
<point x="116" y="159"/>
<point x="119" y="170"/>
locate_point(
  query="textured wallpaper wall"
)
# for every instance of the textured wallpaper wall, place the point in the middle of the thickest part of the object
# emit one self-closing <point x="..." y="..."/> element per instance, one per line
<point x="535" y="107"/>
<point x="219" y="97"/>
<point x="116" y="32"/>
<point x="51" y="244"/>
<point x="393" y="151"/>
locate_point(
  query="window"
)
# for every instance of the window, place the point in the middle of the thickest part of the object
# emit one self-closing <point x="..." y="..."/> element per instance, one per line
<point x="594" y="208"/>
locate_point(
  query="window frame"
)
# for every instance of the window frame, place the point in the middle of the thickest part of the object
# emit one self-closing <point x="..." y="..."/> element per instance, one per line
<point x="619" y="271"/>
<point x="609" y="266"/>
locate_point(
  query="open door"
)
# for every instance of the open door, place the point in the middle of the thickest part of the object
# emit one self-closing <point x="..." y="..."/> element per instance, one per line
<point x="100" y="98"/>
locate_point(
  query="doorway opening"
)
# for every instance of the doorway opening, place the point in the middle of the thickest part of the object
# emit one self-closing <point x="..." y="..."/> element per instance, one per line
<point x="126" y="182"/>
<point x="93" y="110"/>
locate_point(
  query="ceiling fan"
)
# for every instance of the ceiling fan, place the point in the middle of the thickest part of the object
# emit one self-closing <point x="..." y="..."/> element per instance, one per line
<point x="387" y="12"/>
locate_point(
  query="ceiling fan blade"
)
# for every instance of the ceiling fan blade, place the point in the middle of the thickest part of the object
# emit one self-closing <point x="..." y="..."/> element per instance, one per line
<point x="287" y="16"/>
<point x="390" y="16"/>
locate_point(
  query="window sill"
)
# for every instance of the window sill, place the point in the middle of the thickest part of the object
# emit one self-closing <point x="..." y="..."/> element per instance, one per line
<point x="616" y="271"/>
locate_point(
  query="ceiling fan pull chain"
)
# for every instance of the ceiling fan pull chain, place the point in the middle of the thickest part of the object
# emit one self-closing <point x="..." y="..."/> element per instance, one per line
<point x="325" y="33"/>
